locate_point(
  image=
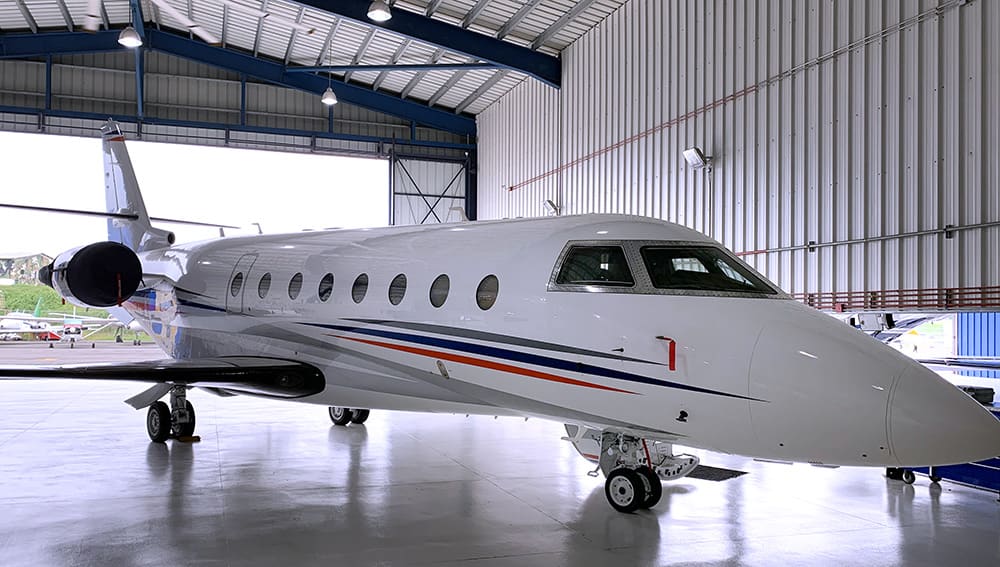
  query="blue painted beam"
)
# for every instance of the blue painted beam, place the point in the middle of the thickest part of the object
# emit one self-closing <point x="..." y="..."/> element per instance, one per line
<point x="20" y="46"/>
<point x="274" y="72"/>
<point x="543" y="67"/>
<point x="427" y="67"/>
<point x="42" y="113"/>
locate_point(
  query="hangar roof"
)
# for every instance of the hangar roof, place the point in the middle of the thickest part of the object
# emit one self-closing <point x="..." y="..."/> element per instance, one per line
<point x="496" y="44"/>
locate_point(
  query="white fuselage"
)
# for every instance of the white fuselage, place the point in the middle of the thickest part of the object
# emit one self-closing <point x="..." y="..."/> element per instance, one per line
<point x="755" y="375"/>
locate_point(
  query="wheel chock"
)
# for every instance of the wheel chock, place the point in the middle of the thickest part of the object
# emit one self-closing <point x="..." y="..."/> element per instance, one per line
<point x="189" y="439"/>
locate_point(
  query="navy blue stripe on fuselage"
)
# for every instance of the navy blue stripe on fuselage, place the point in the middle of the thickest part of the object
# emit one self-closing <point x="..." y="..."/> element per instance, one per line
<point x="525" y="358"/>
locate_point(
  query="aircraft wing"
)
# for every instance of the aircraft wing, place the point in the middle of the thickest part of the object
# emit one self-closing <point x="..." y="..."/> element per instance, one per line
<point x="268" y="377"/>
<point x="961" y="363"/>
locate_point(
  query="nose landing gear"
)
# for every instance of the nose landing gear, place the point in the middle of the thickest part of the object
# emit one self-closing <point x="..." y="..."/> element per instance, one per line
<point x="634" y="467"/>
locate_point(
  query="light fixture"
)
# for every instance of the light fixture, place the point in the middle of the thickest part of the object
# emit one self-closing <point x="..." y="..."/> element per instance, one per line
<point x="329" y="97"/>
<point x="696" y="159"/>
<point x="129" y="38"/>
<point x="378" y="11"/>
<point x="551" y="207"/>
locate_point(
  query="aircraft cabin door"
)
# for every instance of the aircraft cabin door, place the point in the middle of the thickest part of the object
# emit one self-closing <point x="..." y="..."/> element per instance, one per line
<point x="239" y="280"/>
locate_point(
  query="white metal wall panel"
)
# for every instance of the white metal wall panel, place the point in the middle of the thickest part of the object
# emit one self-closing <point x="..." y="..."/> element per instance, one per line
<point x="828" y="122"/>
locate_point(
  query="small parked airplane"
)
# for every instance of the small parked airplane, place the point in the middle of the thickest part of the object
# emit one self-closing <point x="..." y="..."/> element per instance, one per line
<point x="635" y="332"/>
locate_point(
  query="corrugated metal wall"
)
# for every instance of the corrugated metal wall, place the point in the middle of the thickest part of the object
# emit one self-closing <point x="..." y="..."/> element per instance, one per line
<point x="848" y="124"/>
<point x="976" y="335"/>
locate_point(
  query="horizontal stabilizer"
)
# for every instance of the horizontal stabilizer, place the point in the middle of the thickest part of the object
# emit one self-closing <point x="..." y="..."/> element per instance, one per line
<point x="109" y="215"/>
<point x="268" y="377"/>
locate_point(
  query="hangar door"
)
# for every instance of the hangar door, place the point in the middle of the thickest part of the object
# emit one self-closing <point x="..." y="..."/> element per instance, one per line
<point x="431" y="191"/>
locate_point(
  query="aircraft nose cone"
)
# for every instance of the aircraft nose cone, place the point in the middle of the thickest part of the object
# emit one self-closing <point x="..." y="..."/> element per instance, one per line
<point x="934" y="423"/>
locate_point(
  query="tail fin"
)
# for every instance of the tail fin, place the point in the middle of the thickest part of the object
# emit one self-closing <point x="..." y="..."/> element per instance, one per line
<point x="123" y="196"/>
<point x="38" y="307"/>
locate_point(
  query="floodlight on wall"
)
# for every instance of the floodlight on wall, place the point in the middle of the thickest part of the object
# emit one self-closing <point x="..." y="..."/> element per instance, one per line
<point x="129" y="38"/>
<point x="697" y="159"/>
<point x="378" y="11"/>
<point x="551" y="207"/>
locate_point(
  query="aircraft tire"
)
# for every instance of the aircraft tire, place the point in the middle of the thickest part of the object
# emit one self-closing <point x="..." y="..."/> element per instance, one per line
<point x="653" y="486"/>
<point x="359" y="416"/>
<point x="158" y="422"/>
<point x="625" y="490"/>
<point x="340" y="416"/>
<point x="908" y="476"/>
<point x="185" y="429"/>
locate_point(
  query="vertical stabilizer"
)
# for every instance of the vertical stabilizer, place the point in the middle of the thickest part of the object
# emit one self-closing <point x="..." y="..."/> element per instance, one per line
<point x="123" y="197"/>
<point x="38" y="308"/>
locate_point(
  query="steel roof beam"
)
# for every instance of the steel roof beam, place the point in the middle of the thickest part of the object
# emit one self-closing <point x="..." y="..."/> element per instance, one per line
<point x="451" y="38"/>
<point x="20" y="46"/>
<point x="362" y="50"/>
<point x="483" y="89"/>
<point x="561" y="22"/>
<point x="517" y="17"/>
<point x="295" y="35"/>
<point x="474" y="13"/>
<point x="65" y="14"/>
<point x="391" y="67"/>
<point x="28" y="18"/>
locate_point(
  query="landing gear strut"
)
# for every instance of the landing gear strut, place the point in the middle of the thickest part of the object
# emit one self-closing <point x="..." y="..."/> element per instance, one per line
<point x="175" y="420"/>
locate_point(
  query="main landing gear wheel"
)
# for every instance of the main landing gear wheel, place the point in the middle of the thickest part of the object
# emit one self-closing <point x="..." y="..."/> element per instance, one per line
<point x="908" y="476"/>
<point x="653" y="486"/>
<point x="158" y="422"/>
<point x="340" y="416"/>
<point x="359" y="416"/>
<point x="184" y="429"/>
<point x="625" y="490"/>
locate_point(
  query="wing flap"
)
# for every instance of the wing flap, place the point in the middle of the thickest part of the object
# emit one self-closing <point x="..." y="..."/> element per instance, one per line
<point x="268" y="377"/>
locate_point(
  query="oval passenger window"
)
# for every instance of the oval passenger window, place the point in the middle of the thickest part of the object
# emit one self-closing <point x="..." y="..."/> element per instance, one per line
<point x="234" y="288"/>
<point x="325" y="287"/>
<point x="486" y="293"/>
<point x="360" y="288"/>
<point x="439" y="290"/>
<point x="264" y="285"/>
<point x="295" y="286"/>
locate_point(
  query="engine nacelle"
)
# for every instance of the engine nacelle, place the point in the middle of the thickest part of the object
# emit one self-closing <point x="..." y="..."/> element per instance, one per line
<point x="97" y="275"/>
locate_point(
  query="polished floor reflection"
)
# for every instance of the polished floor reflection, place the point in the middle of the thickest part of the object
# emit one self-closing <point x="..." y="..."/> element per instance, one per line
<point x="275" y="483"/>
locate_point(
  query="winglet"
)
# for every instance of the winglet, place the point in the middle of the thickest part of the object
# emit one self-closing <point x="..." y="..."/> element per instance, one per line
<point x="122" y="196"/>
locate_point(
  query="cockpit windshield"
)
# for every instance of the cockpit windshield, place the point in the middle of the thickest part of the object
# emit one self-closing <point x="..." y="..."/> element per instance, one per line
<point x="596" y="265"/>
<point x="700" y="268"/>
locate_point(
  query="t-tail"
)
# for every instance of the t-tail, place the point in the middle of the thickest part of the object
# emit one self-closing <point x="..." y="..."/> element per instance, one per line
<point x="123" y="197"/>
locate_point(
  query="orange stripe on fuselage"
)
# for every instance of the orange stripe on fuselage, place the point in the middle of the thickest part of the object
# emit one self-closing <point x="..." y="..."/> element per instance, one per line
<point x="485" y="364"/>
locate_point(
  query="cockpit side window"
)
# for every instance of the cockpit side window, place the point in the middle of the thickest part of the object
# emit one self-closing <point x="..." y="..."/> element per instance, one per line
<point x="700" y="268"/>
<point x="596" y="266"/>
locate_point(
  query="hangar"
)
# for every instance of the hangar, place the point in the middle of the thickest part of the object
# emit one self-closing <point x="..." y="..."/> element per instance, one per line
<point x="848" y="151"/>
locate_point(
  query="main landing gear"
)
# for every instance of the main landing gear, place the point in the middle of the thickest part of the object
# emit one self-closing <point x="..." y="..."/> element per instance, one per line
<point x="343" y="416"/>
<point x="634" y="467"/>
<point x="176" y="420"/>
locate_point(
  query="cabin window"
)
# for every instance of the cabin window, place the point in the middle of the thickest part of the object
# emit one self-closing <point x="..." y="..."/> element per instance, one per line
<point x="596" y="265"/>
<point x="439" y="290"/>
<point x="325" y="287"/>
<point x="295" y="286"/>
<point x="486" y="293"/>
<point x="236" y="285"/>
<point x="397" y="289"/>
<point x="264" y="285"/>
<point x="702" y="268"/>
<point x="360" y="288"/>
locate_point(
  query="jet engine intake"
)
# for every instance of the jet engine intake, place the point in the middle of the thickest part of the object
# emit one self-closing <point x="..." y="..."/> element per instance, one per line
<point x="102" y="274"/>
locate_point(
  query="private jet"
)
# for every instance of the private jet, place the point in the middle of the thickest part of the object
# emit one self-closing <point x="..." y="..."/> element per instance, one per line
<point x="637" y="333"/>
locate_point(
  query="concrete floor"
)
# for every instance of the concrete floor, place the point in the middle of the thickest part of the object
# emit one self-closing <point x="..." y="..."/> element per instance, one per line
<point x="275" y="483"/>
